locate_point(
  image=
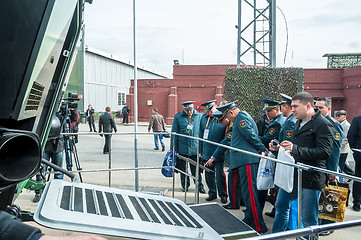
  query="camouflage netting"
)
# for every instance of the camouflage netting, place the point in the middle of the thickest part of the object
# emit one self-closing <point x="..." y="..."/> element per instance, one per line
<point x="250" y="85"/>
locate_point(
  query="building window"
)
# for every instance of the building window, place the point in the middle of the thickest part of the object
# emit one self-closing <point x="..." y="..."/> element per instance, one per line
<point x="121" y="99"/>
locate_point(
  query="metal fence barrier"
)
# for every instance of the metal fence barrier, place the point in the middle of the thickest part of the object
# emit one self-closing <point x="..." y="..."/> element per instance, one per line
<point x="312" y="231"/>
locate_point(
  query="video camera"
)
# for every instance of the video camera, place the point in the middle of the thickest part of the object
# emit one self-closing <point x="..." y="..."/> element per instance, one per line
<point x="69" y="103"/>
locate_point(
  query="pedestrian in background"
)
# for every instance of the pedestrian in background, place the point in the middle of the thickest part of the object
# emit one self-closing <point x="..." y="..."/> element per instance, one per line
<point x="90" y="118"/>
<point x="156" y="123"/>
<point x="106" y="125"/>
<point x="345" y="147"/>
<point x="125" y="113"/>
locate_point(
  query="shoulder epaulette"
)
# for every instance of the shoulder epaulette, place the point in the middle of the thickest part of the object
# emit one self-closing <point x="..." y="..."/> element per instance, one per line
<point x="334" y="120"/>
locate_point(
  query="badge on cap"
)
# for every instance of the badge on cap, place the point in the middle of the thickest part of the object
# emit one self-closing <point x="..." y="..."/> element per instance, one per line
<point x="270" y="104"/>
<point x="208" y="105"/>
<point x="188" y="105"/>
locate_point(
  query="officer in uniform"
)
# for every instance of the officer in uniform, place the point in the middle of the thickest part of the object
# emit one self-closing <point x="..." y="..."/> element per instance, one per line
<point x="245" y="137"/>
<point x="289" y="124"/>
<point x="323" y="104"/>
<point x="272" y="132"/>
<point x="234" y="191"/>
<point x="187" y="122"/>
<point x="212" y="131"/>
<point x="286" y="133"/>
<point x="276" y="120"/>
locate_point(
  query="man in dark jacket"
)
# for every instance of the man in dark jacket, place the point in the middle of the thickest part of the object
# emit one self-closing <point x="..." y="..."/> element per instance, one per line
<point x="90" y="118"/>
<point x="187" y="123"/>
<point x="125" y="113"/>
<point x="354" y="139"/>
<point x="106" y="125"/>
<point x="311" y="144"/>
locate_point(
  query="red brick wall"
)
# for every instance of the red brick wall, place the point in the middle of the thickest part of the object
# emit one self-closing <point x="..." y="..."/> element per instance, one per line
<point x="202" y="83"/>
<point x="335" y="83"/>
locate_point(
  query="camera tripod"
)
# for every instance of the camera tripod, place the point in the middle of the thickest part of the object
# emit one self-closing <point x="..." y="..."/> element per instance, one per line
<point x="71" y="154"/>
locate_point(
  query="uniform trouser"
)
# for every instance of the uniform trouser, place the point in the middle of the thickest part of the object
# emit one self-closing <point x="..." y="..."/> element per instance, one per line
<point x="181" y="164"/>
<point x="107" y="144"/>
<point x="91" y="125"/>
<point x="234" y="189"/>
<point x="309" y="210"/>
<point x="253" y="215"/>
<point x="216" y="180"/>
<point x="160" y="137"/>
<point x="343" y="166"/>
<point x="356" y="187"/>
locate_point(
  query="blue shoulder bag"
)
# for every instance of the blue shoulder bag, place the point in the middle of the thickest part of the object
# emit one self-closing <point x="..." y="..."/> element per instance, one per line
<point x="168" y="162"/>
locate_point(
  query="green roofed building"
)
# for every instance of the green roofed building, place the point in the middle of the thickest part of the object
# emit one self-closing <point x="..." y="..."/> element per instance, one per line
<point x="343" y="60"/>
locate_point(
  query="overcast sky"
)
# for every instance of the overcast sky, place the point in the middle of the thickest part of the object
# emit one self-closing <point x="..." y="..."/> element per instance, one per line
<point x="203" y="31"/>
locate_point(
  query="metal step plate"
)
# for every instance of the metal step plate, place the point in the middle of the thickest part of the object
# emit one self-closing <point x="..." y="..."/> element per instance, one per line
<point x="223" y="222"/>
<point x="117" y="212"/>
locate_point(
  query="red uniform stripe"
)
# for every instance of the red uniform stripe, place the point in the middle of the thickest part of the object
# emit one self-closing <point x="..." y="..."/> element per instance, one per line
<point x="225" y="182"/>
<point x="252" y="198"/>
<point x="234" y="198"/>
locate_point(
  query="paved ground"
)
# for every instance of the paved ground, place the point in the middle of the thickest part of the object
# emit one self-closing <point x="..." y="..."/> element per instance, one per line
<point x="91" y="157"/>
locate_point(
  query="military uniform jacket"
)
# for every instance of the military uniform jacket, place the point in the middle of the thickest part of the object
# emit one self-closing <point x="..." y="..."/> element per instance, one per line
<point x="332" y="162"/>
<point x="223" y="153"/>
<point x="287" y="128"/>
<point x="245" y="137"/>
<point x="354" y="133"/>
<point x="212" y="131"/>
<point x="273" y="130"/>
<point x="312" y="145"/>
<point x="183" y="145"/>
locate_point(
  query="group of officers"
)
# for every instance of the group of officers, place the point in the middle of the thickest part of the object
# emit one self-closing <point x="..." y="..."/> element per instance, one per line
<point x="299" y="124"/>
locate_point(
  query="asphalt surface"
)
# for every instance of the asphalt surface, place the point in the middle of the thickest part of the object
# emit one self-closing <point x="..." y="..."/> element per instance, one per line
<point x="90" y="152"/>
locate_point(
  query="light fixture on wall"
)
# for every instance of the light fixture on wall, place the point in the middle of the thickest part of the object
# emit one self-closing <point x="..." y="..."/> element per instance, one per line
<point x="176" y="62"/>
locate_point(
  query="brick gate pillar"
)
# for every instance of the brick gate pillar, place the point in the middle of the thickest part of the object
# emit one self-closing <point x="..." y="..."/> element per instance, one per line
<point x="172" y="105"/>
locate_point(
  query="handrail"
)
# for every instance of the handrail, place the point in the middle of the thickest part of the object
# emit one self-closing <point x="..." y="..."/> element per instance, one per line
<point x="313" y="230"/>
